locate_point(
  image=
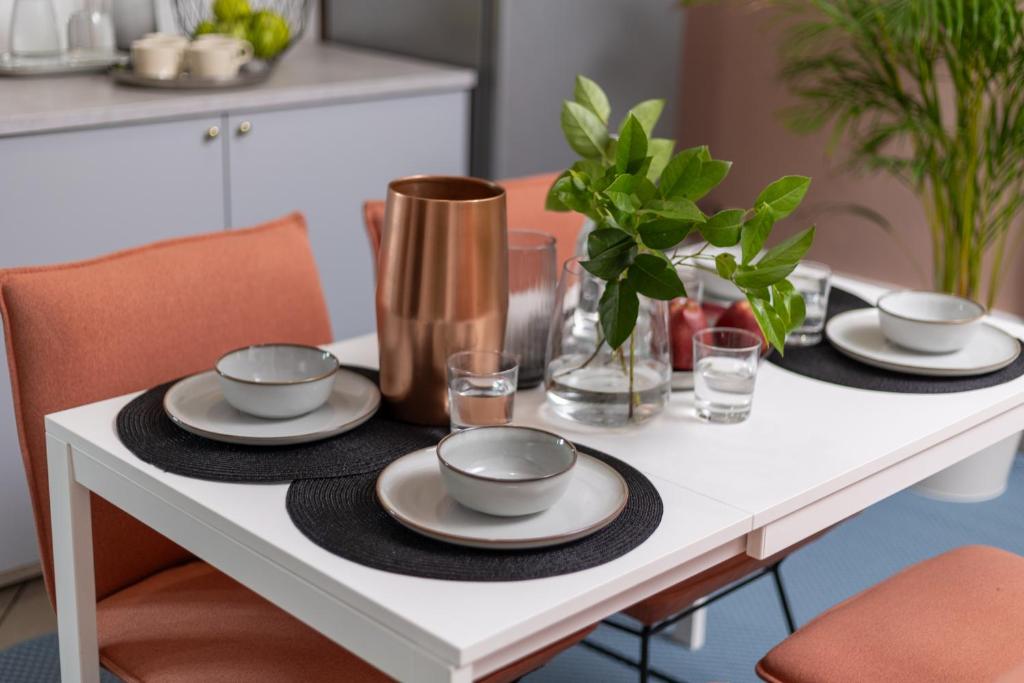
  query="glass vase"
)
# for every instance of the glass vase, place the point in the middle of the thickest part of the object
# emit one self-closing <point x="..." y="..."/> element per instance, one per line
<point x="585" y="379"/>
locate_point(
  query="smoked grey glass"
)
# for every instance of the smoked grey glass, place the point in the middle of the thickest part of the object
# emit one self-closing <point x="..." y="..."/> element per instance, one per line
<point x="531" y="296"/>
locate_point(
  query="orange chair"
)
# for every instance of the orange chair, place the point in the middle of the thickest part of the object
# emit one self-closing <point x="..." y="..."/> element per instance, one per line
<point x="525" y="198"/>
<point x="956" y="617"/>
<point x="85" y="331"/>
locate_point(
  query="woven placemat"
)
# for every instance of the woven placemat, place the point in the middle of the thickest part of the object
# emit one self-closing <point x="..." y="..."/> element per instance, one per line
<point x="147" y="432"/>
<point x="342" y="515"/>
<point x="822" y="361"/>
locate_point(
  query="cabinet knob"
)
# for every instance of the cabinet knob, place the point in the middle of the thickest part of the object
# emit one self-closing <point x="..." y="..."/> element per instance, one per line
<point x="244" y="127"/>
<point x="212" y="132"/>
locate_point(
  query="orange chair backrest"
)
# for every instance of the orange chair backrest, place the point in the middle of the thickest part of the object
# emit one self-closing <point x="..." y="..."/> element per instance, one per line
<point x="525" y="200"/>
<point x="86" y="331"/>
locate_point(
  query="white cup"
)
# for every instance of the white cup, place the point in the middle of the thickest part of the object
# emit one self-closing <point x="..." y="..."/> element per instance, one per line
<point x="217" y="57"/>
<point x="157" y="58"/>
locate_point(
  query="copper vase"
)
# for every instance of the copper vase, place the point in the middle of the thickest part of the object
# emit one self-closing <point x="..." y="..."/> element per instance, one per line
<point x="442" y="286"/>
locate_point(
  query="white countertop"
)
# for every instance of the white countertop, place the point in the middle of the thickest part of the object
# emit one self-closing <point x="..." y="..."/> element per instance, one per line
<point x="310" y="73"/>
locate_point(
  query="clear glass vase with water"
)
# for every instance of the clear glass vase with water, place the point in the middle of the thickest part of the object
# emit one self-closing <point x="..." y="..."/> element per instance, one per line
<point x="588" y="381"/>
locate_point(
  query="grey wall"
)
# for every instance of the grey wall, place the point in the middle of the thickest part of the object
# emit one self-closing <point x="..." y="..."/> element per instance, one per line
<point x="630" y="47"/>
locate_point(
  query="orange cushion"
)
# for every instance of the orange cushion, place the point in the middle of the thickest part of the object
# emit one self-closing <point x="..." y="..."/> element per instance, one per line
<point x="81" y="332"/>
<point x="525" y="200"/>
<point x="956" y="617"/>
<point x="192" y="623"/>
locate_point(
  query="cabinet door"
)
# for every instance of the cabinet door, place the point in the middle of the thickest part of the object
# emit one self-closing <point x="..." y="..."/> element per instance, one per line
<point x="325" y="162"/>
<point x="74" y="195"/>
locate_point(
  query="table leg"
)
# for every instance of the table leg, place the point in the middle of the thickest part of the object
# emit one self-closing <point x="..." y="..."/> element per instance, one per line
<point x="691" y="632"/>
<point x="75" y="586"/>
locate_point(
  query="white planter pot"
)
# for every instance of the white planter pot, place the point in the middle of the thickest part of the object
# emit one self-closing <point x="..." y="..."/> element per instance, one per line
<point x="982" y="476"/>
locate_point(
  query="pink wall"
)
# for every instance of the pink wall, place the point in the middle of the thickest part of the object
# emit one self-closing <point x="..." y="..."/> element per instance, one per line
<point x="731" y="99"/>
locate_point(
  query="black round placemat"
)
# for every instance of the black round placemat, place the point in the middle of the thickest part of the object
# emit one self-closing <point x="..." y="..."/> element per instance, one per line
<point x="147" y="432"/>
<point x="342" y="515"/>
<point x="822" y="361"/>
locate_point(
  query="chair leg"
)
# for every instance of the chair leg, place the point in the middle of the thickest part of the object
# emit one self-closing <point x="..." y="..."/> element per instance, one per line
<point x="783" y="599"/>
<point x="645" y="654"/>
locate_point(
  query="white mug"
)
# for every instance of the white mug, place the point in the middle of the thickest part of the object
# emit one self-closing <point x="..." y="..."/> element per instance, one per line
<point x="218" y="57"/>
<point x="157" y="58"/>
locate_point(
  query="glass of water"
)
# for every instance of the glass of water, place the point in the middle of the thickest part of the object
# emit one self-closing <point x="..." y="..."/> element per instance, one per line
<point x="814" y="282"/>
<point x="724" y="369"/>
<point x="481" y="388"/>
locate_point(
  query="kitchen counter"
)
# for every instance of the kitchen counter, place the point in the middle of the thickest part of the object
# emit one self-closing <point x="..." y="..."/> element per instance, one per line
<point x="310" y="73"/>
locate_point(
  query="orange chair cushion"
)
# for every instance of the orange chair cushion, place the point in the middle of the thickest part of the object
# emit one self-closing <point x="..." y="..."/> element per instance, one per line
<point x="525" y="200"/>
<point x="81" y="332"/>
<point x="956" y="617"/>
<point x="193" y="623"/>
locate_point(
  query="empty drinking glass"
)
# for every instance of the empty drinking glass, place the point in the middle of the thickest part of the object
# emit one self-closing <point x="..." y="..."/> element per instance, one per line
<point x="531" y="296"/>
<point x="725" y="363"/>
<point x="814" y="281"/>
<point x="481" y="388"/>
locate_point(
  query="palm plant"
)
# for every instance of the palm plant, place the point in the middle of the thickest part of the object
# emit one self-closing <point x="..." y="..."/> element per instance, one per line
<point x="932" y="92"/>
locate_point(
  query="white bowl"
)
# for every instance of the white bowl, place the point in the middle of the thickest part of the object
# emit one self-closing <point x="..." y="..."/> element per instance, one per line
<point x="506" y="471"/>
<point x="931" y="322"/>
<point x="277" y="380"/>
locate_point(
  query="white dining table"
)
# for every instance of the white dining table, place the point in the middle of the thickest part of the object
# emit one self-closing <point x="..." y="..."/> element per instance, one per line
<point x="810" y="455"/>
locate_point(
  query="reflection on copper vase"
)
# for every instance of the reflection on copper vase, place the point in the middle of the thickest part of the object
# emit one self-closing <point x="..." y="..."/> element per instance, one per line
<point x="442" y="286"/>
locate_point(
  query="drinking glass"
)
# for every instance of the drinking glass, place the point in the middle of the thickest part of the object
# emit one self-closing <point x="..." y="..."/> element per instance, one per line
<point x="481" y="388"/>
<point x="814" y="282"/>
<point x="725" y="363"/>
<point x="531" y="296"/>
<point x="34" y="29"/>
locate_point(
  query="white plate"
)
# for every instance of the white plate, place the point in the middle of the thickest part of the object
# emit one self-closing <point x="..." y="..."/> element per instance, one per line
<point x="411" y="491"/>
<point x="858" y="335"/>
<point x="197" y="405"/>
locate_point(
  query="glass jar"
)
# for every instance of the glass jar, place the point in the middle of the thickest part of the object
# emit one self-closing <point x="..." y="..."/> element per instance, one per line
<point x="585" y="379"/>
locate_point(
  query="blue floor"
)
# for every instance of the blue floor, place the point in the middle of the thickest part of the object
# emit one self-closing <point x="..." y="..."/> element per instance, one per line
<point x="742" y="627"/>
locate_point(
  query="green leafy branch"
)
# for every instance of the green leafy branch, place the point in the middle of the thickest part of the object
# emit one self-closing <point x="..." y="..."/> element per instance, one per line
<point x="643" y="199"/>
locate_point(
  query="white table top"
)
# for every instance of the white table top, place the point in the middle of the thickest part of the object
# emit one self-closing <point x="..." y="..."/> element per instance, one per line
<point x="804" y="440"/>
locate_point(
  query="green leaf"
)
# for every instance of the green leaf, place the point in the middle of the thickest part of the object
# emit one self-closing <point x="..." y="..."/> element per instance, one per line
<point x="633" y="184"/>
<point x="674" y="209"/>
<point x="624" y="201"/>
<point x="618" y="311"/>
<point x="590" y="95"/>
<point x="553" y="202"/>
<point x="789" y="304"/>
<point x="784" y="195"/>
<point x="611" y="251"/>
<point x="789" y="251"/>
<point x="647" y="113"/>
<point x="712" y="173"/>
<point x="631" y="148"/>
<point x="680" y="173"/>
<point x="723" y="229"/>
<point x="769" y="322"/>
<point x="583" y="130"/>
<point x="755" y="231"/>
<point x="655" y="277"/>
<point x="725" y="264"/>
<point x="660" y="151"/>
<point x="663" y="233"/>
<point x="756" y="276"/>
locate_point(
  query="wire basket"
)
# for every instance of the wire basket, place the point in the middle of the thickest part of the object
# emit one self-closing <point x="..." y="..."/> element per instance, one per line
<point x="189" y="13"/>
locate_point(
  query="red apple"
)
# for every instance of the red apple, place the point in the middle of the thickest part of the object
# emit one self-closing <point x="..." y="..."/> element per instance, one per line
<point x="712" y="312"/>
<point x="741" y="315"/>
<point x="686" y="319"/>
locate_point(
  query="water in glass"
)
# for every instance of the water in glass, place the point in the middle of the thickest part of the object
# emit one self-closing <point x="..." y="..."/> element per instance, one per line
<point x="481" y="401"/>
<point x="724" y="388"/>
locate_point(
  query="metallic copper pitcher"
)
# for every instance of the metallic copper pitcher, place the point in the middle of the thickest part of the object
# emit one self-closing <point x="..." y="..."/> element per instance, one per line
<point x="442" y="286"/>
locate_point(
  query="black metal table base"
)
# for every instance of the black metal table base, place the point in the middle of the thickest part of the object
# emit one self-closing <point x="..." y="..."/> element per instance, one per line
<point x="647" y="631"/>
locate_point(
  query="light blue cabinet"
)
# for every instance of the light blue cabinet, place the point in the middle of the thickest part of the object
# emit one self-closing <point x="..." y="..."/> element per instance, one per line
<point x="76" y="194"/>
<point x="326" y="161"/>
